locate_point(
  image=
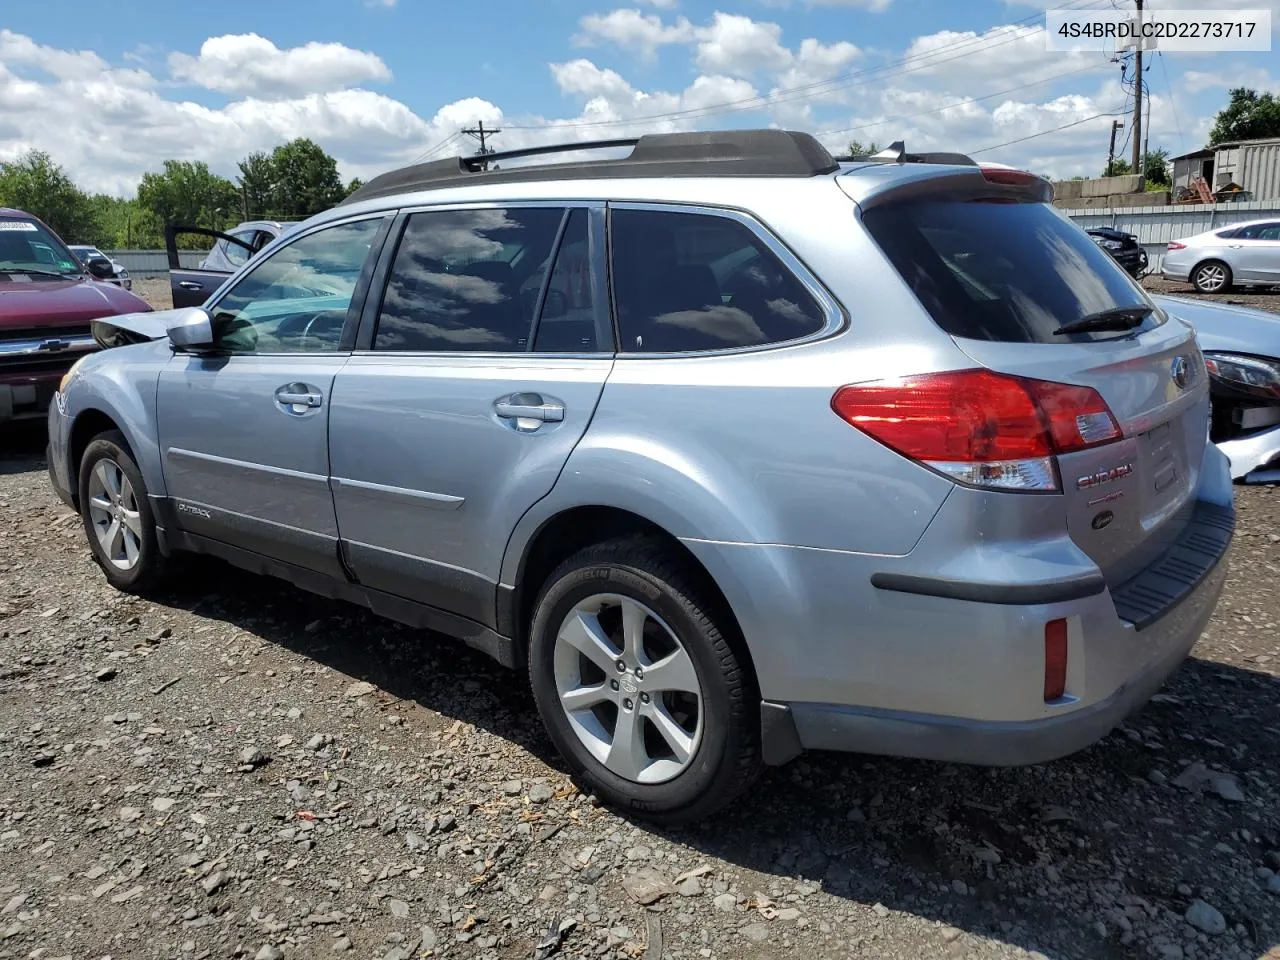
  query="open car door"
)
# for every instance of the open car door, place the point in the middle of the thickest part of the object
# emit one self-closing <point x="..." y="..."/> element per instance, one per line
<point x="191" y="286"/>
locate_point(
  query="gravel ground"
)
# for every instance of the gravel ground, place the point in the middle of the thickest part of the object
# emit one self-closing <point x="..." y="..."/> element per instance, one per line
<point x="238" y="769"/>
<point x="1257" y="298"/>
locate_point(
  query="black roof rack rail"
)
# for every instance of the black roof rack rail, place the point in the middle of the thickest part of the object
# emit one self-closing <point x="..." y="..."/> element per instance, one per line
<point x="720" y="153"/>
<point x="896" y="152"/>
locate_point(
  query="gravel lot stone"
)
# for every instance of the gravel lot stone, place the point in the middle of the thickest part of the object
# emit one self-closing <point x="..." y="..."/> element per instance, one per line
<point x="258" y="807"/>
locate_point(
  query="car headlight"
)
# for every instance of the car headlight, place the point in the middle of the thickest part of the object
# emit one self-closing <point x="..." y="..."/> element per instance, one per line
<point x="1112" y="244"/>
<point x="1251" y="374"/>
<point x="66" y="377"/>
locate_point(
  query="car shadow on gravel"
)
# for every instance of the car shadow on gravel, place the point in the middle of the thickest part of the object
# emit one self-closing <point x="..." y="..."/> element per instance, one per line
<point x="1077" y="858"/>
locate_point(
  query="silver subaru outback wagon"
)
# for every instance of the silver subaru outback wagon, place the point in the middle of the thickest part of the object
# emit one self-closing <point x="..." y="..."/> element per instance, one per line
<point x="736" y="448"/>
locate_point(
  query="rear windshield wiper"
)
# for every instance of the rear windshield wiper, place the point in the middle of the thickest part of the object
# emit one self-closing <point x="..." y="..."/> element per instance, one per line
<point x="37" y="272"/>
<point x="1117" y="318"/>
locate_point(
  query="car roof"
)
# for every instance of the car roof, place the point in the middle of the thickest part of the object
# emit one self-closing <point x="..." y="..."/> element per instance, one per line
<point x="733" y="168"/>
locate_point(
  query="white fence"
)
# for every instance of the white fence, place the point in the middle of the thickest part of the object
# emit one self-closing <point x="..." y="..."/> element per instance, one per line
<point x="1156" y="226"/>
<point x="153" y="263"/>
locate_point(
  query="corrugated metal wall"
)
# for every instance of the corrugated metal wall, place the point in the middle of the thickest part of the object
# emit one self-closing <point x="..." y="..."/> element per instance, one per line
<point x="153" y="263"/>
<point x="1260" y="170"/>
<point x="1156" y="226"/>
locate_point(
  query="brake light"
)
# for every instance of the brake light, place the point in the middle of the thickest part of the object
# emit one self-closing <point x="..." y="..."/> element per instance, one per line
<point x="1055" y="660"/>
<point x="1175" y="245"/>
<point x="979" y="427"/>
<point x="1012" y="178"/>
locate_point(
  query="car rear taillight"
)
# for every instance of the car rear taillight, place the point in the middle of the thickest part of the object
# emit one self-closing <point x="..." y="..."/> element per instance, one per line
<point x="979" y="427"/>
<point x="1175" y="245"/>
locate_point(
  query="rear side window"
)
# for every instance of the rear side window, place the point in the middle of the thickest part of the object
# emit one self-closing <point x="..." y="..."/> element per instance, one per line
<point x="686" y="282"/>
<point x="1006" y="272"/>
<point x="467" y="280"/>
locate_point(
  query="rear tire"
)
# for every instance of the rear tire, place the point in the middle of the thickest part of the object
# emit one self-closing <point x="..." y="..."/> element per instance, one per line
<point x="1212" y="276"/>
<point x="620" y="631"/>
<point x="117" y="517"/>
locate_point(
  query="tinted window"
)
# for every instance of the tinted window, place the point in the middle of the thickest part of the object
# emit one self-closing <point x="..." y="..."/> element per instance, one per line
<point x="1269" y="231"/>
<point x="686" y="281"/>
<point x="568" y="320"/>
<point x="467" y="280"/>
<point x="296" y="300"/>
<point x="1009" y="272"/>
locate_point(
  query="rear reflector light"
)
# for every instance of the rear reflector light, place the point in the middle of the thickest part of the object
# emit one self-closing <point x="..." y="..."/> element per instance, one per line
<point x="1013" y="178"/>
<point x="1055" y="660"/>
<point x="981" y="428"/>
<point x="1174" y="245"/>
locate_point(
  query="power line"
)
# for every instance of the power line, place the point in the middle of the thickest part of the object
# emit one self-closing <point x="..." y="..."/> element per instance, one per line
<point x="905" y="65"/>
<point x="1173" y="104"/>
<point x="1045" y="133"/>
<point x="957" y="103"/>
<point x="982" y="44"/>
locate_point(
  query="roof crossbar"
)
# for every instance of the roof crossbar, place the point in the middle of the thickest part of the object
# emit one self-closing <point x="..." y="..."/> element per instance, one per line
<point x="720" y="153"/>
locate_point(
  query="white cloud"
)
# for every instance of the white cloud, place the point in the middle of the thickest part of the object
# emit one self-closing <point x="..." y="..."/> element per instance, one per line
<point x="1254" y="77"/>
<point x="253" y="65"/>
<point x="741" y="46"/>
<point x="661" y="4"/>
<point x="632" y="29"/>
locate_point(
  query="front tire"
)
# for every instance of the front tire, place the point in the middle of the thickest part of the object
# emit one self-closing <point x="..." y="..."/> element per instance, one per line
<point x="1212" y="276"/>
<point x="117" y="515"/>
<point x="638" y="685"/>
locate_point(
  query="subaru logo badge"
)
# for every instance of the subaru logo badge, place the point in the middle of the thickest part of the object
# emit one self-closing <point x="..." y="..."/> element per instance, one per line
<point x="1180" y="371"/>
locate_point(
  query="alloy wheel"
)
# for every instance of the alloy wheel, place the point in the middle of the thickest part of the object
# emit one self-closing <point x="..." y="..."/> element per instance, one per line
<point x="629" y="688"/>
<point x="113" y="511"/>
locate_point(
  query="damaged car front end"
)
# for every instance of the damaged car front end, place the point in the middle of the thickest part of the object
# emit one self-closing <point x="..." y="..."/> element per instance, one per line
<point x="1242" y="354"/>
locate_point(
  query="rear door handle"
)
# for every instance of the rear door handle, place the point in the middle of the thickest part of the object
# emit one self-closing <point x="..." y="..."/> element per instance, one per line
<point x="190" y="285"/>
<point x="528" y="407"/>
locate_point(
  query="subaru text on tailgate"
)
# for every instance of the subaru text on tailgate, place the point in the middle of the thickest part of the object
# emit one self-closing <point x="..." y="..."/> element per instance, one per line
<point x="737" y="449"/>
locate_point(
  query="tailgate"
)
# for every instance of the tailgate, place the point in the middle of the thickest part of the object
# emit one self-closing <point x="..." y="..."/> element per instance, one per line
<point x="1026" y="292"/>
<point x="1126" y="501"/>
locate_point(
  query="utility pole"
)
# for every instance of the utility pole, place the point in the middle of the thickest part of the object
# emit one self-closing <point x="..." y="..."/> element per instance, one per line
<point x="1111" y="150"/>
<point x="480" y="133"/>
<point x="1137" y="96"/>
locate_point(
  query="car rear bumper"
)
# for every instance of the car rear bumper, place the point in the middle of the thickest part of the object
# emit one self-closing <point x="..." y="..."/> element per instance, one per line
<point x="914" y="656"/>
<point x="1174" y="271"/>
<point x="824" y="726"/>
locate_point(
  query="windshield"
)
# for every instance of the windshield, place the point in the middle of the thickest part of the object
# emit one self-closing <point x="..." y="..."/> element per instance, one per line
<point x="27" y="245"/>
<point x="1006" y="272"/>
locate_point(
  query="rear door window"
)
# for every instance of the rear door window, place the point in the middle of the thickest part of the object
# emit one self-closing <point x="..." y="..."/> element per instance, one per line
<point x="686" y="282"/>
<point x="467" y="280"/>
<point x="1005" y="272"/>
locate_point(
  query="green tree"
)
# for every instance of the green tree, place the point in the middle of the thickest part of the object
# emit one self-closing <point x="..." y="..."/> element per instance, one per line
<point x="35" y="184"/>
<point x="306" y="180"/>
<point x="1248" y="116"/>
<point x="292" y="182"/>
<point x="189" y="194"/>
<point x="355" y="184"/>
<point x="856" y="149"/>
<point x="257" y="182"/>
<point x="1155" y="168"/>
<point x="125" y="224"/>
<point x="1117" y="168"/>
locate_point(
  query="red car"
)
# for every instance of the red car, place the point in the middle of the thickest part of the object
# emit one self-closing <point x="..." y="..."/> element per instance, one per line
<point x="47" y="301"/>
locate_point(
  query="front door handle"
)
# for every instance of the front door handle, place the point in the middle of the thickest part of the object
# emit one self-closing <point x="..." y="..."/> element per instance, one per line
<point x="298" y="395"/>
<point x="190" y="285"/>
<point x="527" y="406"/>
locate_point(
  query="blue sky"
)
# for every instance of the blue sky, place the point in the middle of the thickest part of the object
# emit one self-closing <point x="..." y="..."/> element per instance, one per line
<point x="381" y="82"/>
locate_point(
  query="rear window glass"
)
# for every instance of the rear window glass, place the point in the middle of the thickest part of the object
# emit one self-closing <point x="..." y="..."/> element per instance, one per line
<point x="1007" y="272"/>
